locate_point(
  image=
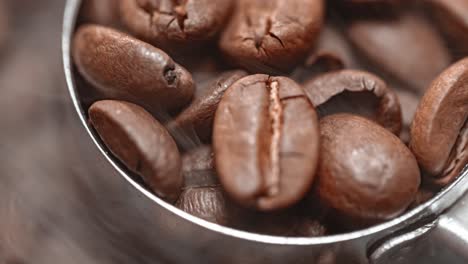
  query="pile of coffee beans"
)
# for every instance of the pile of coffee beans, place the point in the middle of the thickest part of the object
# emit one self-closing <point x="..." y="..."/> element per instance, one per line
<point x="290" y="118"/>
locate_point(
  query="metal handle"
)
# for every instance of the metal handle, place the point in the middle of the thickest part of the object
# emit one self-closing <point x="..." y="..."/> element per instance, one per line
<point x="440" y="240"/>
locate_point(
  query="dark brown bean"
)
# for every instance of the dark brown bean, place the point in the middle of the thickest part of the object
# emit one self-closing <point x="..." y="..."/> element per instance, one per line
<point x="125" y="68"/>
<point x="424" y="194"/>
<point x="272" y="36"/>
<point x="141" y="143"/>
<point x="366" y="174"/>
<point x="202" y="195"/>
<point x="266" y="142"/>
<point x="390" y="45"/>
<point x="355" y="92"/>
<point x="173" y="24"/>
<point x="439" y="133"/>
<point x="195" y="123"/>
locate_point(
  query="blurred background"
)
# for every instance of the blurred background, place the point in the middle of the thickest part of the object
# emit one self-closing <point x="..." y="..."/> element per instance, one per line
<point x="56" y="204"/>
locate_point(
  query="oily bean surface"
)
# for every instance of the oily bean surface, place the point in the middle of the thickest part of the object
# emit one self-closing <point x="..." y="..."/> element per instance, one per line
<point x="272" y="36"/>
<point x="266" y="142"/>
<point x="124" y="68"/>
<point x="357" y="92"/>
<point x="439" y="132"/>
<point x="141" y="143"/>
<point x="169" y="23"/>
<point x="366" y="174"/>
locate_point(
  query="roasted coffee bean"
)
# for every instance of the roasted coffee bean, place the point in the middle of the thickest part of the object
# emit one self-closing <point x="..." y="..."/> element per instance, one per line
<point x="195" y="123"/>
<point x="266" y="142"/>
<point x="202" y="195"/>
<point x="272" y="36"/>
<point x="103" y="12"/>
<point x="390" y="45"/>
<point x="141" y="143"/>
<point x="198" y="167"/>
<point x="366" y="174"/>
<point x="439" y="133"/>
<point x="357" y="92"/>
<point x="451" y="16"/>
<point x="174" y="24"/>
<point x="125" y="68"/>
<point x="424" y="194"/>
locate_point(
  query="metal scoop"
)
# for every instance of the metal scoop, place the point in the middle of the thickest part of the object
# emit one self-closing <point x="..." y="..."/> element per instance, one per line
<point x="434" y="232"/>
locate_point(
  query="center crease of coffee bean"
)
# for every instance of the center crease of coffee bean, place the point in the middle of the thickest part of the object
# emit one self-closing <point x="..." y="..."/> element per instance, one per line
<point x="276" y="113"/>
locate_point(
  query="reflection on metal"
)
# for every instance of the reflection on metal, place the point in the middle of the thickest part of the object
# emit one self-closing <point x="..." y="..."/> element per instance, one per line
<point x="218" y="244"/>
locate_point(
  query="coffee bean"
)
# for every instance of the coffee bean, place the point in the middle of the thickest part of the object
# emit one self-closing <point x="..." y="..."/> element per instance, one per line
<point x="202" y="195"/>
<point x="125" y="68"/>
<point x="390" y="45"/>
<point x="451" y="16"/>
<point x="272" y="36"/>
<point x="141" y="143"/>
<point x="103" y="12"/>
<point x="173" y="24"/>
<point x="355" y="92"/>
<point x="366" y="174"/>
<point x="195" y="123"/>
<point x="266" y="142"/>
<point x="198" y="167"/>
<point x="439" y="133"/>
<point x="423" y="195"/>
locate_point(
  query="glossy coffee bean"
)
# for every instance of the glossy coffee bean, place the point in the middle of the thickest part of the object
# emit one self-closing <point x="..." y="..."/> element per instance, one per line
<point x="202" y="195"/>
<point x="439" y="133"/>
<point x="451" y="16"/>
<point x="272" y="36"/>
<point x="173" y="24"/>
<point x="124" y="68"/>
<point x="266" y="142"/>
<point x="141" y="143"/>
<point x="103" y="12"/>
<point x="195" y="123"/>
<point x="389" y="44"/>
<point x="357" y="92"/>
<point x="366" y="174"/>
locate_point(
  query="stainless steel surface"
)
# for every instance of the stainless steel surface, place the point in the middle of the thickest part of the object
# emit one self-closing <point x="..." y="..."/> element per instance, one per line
<point x="187" y="239"/>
